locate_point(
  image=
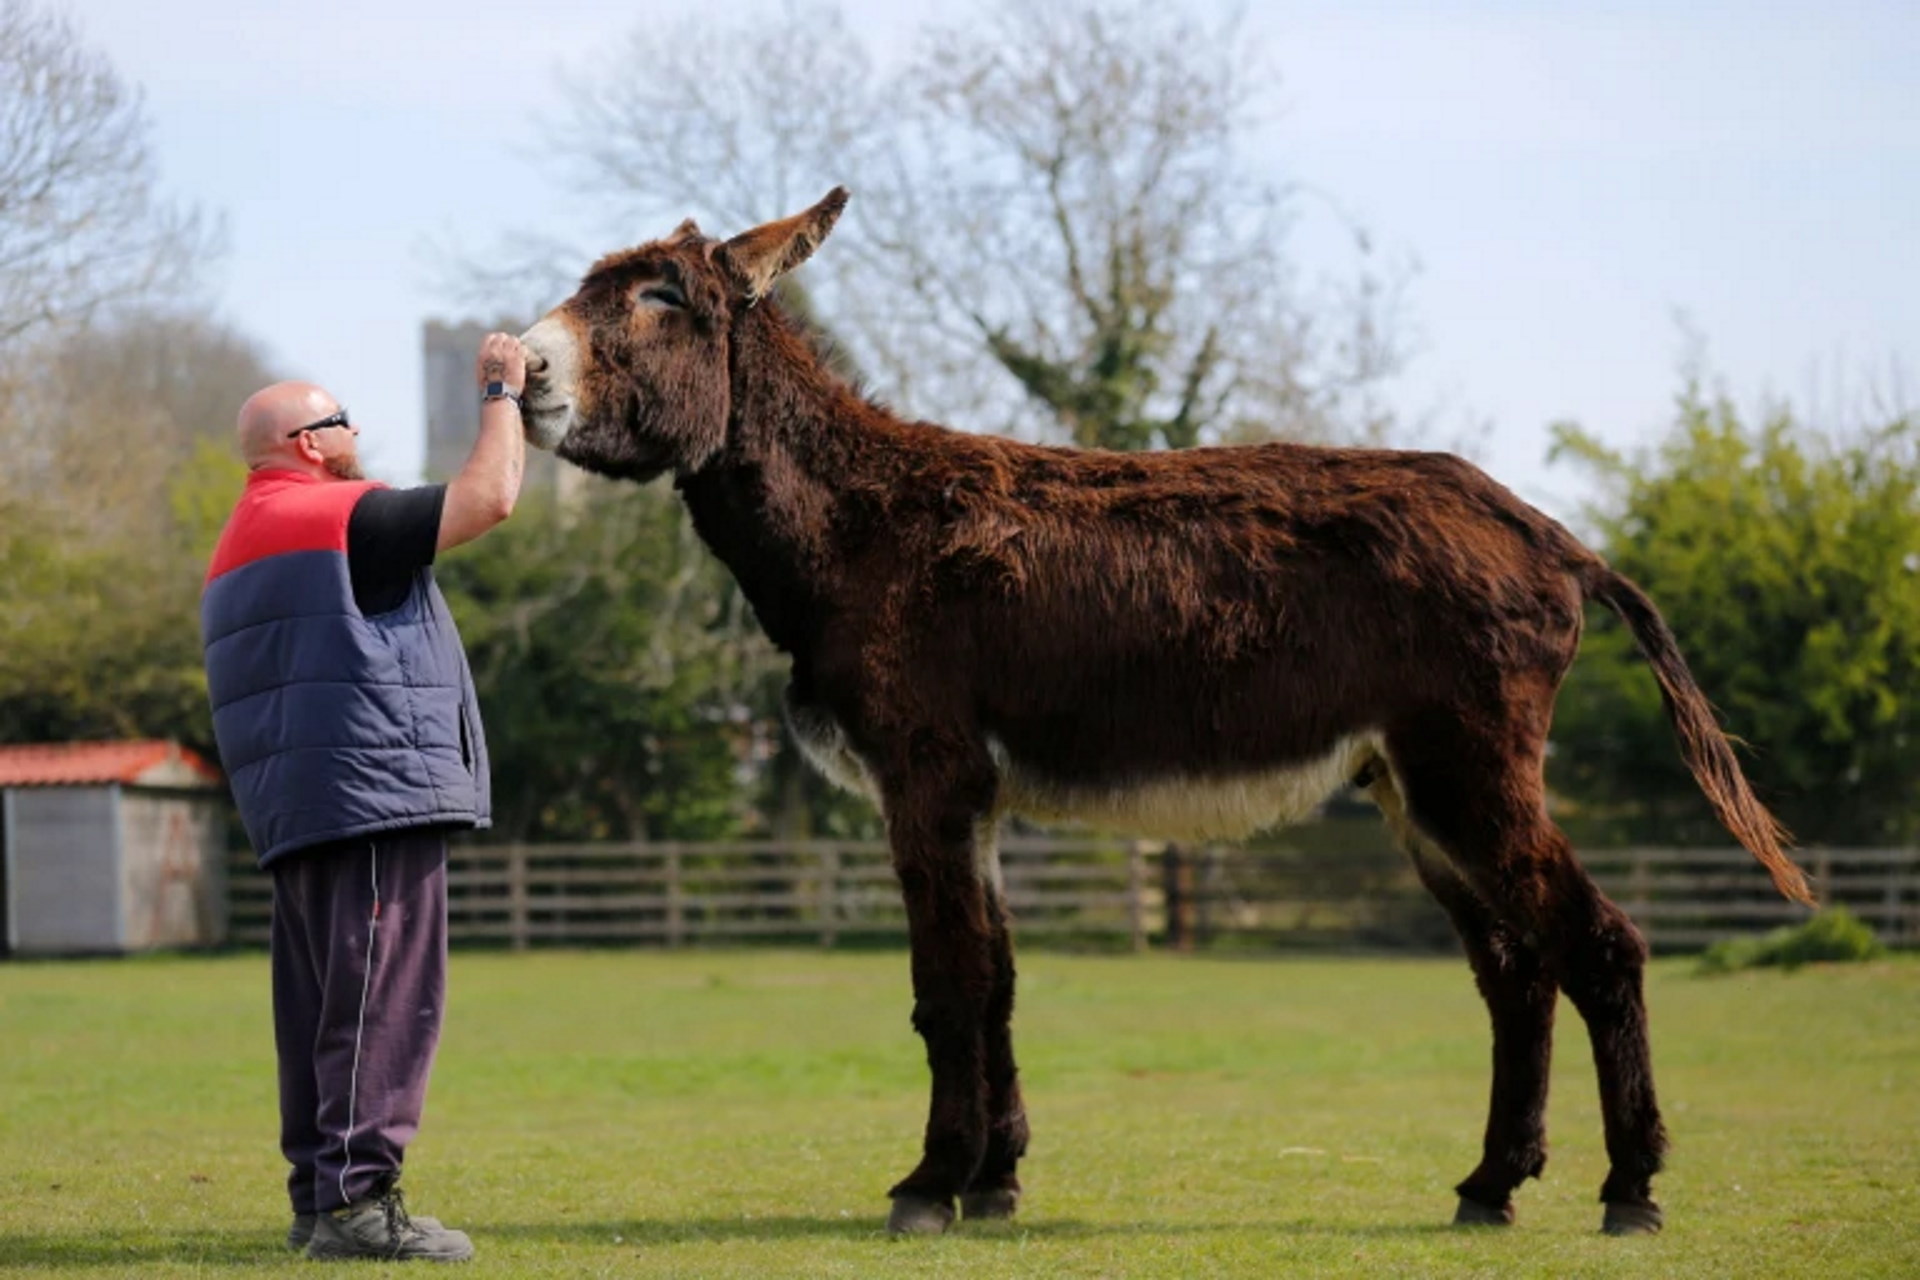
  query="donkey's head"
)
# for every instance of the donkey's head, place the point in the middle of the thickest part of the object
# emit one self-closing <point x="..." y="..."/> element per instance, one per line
<point x="629" y="376"/>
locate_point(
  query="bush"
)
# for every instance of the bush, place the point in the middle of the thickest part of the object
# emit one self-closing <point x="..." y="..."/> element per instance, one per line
<point x="1835" y="934"/>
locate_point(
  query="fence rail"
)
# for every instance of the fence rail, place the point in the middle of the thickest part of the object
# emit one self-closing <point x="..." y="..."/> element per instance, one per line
<point x="1090" y="890"/>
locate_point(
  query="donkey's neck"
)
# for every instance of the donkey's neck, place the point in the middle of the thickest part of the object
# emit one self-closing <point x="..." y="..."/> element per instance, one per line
<point x="780" y="501"/>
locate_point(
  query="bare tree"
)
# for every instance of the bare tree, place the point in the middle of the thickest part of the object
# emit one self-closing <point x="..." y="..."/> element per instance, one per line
<point x="1076" y="203"/>
<point x="80" y="224"/>
<point x="100" y="413"/>
<point x="1057" y="193"/>
<point x="114" y="489"/>
<point x="740" y="122"/>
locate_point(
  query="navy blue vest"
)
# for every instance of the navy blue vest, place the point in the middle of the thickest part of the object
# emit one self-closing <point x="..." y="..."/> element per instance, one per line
<point x="330" y="723"/>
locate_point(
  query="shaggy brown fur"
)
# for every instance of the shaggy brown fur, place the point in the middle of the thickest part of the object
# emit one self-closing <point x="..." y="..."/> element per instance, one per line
<point x="978" y="624"/>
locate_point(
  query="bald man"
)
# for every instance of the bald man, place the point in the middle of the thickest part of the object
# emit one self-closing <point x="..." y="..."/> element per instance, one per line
<point x="348" y="726"/>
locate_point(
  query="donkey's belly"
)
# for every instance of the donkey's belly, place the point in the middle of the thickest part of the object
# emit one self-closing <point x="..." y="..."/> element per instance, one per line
<point x="1177" y="806"/>
<point x="1169" y="806"/>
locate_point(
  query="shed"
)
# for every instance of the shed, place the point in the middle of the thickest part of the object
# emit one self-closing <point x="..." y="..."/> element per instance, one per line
<point x="110" y="847"/>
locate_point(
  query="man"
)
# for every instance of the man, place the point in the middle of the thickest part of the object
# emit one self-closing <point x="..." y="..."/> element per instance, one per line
<point x="347" y="723"/>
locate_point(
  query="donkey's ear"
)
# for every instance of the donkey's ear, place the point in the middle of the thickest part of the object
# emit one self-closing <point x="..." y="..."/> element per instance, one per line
<point x="756" y="258"/>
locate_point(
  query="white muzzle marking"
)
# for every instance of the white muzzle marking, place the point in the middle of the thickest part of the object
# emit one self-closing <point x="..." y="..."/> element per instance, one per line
<point x="548" y="410"/>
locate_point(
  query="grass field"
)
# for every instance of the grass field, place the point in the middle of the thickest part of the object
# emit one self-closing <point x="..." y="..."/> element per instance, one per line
<point x="742" y="1113"/>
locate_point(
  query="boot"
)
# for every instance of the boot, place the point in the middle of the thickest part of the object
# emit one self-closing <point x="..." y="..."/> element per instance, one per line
<point x="379" y="1227"/>
<point x="300" y="1230"/>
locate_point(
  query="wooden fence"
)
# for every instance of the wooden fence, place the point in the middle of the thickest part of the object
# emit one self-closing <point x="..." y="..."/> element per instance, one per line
<point x="1089" y="892"/>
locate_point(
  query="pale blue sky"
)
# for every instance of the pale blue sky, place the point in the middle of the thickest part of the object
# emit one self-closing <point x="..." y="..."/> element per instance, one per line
<point x="1568" y="176"/>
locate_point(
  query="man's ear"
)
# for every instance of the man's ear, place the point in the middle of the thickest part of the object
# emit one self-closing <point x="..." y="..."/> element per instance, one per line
<point x="755" y="259"/>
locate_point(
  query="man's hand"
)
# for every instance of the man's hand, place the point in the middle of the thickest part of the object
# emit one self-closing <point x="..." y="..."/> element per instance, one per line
<point x="501" y="359"/>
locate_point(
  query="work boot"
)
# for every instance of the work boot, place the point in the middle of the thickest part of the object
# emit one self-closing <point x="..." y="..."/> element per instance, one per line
<point x="301" y="1229"/>
<point x="378" y="1227"/>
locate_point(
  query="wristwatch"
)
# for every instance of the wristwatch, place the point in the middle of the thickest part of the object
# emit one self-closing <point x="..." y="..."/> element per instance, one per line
<point x="500" y="391"/>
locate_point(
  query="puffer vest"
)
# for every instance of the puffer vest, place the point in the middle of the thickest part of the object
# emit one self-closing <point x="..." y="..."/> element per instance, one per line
<point x="331" y="723"/>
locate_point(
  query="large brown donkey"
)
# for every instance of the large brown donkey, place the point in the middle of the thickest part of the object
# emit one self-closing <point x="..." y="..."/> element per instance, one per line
<point x="1198" y="644"/>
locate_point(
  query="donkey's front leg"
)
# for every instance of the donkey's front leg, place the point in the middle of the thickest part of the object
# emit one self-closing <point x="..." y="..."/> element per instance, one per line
<point x="953" y="981"/>
<point x="995" y="1189"/>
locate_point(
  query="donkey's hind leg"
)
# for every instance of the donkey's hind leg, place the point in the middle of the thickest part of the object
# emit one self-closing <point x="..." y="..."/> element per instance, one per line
<point x="1602" y="970"/>
<point x="1520" y="998"/>
<point x="1484" y="803"/>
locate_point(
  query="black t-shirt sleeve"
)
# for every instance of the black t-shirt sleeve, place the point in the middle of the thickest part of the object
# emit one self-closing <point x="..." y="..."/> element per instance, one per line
<point x="391" y="535"/>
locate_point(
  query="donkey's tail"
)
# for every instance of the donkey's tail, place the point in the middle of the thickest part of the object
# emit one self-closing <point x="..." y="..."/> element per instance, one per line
<point x="1703" y="746"/>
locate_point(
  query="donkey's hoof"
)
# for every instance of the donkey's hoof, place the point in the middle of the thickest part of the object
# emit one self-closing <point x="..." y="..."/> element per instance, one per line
<point x="918" y="1216"/>
<point x="1642" y="1219"/>
<point x="1472" y="1213"/>
<point x="984" y="1206"/>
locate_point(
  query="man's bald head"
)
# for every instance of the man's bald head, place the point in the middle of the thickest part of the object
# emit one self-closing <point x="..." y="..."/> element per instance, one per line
<point x="270" y="435"/>
<point x="272" y="412"/>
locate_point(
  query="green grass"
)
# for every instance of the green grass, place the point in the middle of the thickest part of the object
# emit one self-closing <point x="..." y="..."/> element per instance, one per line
<point x="741" y="1114"/>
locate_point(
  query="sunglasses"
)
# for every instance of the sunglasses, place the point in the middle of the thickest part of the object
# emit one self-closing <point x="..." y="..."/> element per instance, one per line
<point x="338" y="418"/>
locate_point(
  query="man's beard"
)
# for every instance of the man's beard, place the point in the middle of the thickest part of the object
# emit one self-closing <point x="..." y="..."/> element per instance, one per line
<point x="344" y="468"/>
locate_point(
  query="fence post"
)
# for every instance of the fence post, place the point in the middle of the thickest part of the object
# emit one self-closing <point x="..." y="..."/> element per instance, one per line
<point x="676" y="901"/>
<point x="1207" y="895"/>
<point x="1910" y="874"/>
<point x="1176" y="883"/>
<point x="1823" y="874"/>
<point x="517" y="898"/>
<point x="829" y="895"/>
<point x="1137" y="894"/>
<point x="1639" y="892"/>
<point x="1890" y="922"/>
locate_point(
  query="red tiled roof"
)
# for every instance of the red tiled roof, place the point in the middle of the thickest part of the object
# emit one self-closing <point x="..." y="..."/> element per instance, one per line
<point x="54" y="764"/>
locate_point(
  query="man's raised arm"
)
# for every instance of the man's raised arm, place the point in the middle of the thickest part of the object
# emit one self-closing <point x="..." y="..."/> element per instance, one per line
<point x="484" y="491"/>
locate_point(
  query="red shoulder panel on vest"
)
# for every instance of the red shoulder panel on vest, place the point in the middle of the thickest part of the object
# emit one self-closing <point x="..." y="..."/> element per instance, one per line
<point x="286" y="511"/>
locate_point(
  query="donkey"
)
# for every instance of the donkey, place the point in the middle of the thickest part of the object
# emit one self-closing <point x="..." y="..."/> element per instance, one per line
<point x="1191" y="644"/>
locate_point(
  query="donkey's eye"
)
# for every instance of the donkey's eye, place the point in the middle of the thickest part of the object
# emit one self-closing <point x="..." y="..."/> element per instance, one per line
<point x="663" y="295"/>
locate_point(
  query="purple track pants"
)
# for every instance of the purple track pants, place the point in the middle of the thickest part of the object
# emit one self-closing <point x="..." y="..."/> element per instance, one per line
<point x="359" y="946"/>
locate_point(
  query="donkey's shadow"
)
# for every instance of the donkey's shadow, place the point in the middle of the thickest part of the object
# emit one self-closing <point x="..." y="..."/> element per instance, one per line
<point x="672" y="1231"/>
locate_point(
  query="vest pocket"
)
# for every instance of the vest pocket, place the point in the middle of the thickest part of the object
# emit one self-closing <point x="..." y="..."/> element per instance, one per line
<point x="466" y="738"/>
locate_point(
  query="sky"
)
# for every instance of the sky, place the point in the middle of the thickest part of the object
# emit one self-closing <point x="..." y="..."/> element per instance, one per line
<point x="1574" y="186"/>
